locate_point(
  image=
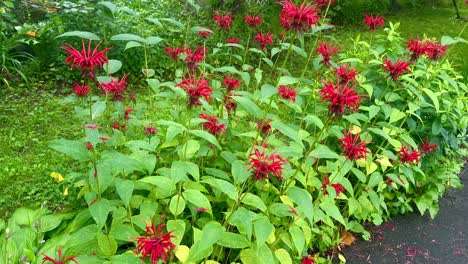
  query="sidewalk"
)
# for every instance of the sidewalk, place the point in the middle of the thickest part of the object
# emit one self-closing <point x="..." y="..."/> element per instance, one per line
<point x="413" y="238"/>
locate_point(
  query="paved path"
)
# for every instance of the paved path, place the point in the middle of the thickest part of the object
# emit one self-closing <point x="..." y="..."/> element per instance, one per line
<point x="413" y="238"/>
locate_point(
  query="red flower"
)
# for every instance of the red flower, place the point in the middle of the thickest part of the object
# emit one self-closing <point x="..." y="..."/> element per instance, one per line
<point x="417" y="48"/>
<point x="231" y="83"/>
<point x="224" y="22"/>
<point x="339" y="97"/>
<point x="373" y="22"/>
<point x="264" y="164"/>
<point x="287" y="93"/>
<point x="60" y="259"/>
<point x="117" y="126"/>
<point x="80" y="90"/>
<point x="324" y="3"/>
<point x="196" y="88"/>
<point x="264" y="126"/>
<point x="229" y="103"/>
<point x="351" y="149"/>
<point x="308" y="260"/>
<point x="157" y="244"/>
<point x="396" y="69"/>
<point x="86" y="59"/>
<point x="233" y="41"/>
<point x="435" y="50"/>
<point x="204" y="34"/>
<point x="345" y="74"/>
<point x="150" y="130"/>
<point x="174" y="52"/>
<point x="89" y="146"/>
<point x="407" y="156"/>
<point x="253" y="21"/>
<point x="327" y="51"/>
<point x="338" y="187"/>
<point x="299" y="18"/>
<point x="195" y="57"/>
<point x="115" y="87"/>
<point x="428" y="147"/>
<point x="212" y="124"/>
<point x="264" y="39"/>
<point x="127" y="112"/>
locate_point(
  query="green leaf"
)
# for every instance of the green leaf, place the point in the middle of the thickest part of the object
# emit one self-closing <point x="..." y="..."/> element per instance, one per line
<point x="206" y="136"/>
<point x="211" y="233"/>
<point x="262" y="230"/>
<point x="283" y="256"/>
<point x="298" y="238"/>
<point x="123" y="232"/>
<point x="249" y="105"/>
<point x="313" y="119"/>
<point x="233" y="240"/>
<point x="303" y="199"/>
<point x="152" y="40"/>
<point x="198" y="199"/>
<point x="73" y="149"/>
<point x="99" y="211"/>
<point x="287" y="131"/>
<point x="301" y="52"/>
<point x="177" y="205"/>
<point x="49" y="222"/>
<point x="287" y="80"/>
<point x="324" y="152"/>
<point x="107" y="244"/>
<point x="160" y="181"/>
<point x="177" y="227"/>
<point x="80" y="34"/>
<point x="242" y="219"/>
<point x="332" y="210"/>
<point x="98" y="109"/>
<point x="396" y="115"/>
<point x="240" y="171"/>
<point x="189" y="149"/>
<point x="268" y="90"/>
<point x="433" y="97"/>
<point x="223" y="186"/>
<point x="128" y="37"/>
<point x="124" y="189"/>
<point x="173" y="22"/>
<point x="132" y="44"/>
<point x="112" y="66"/>
<point x="254" y="200"/>
<point x="447" y="40"/>
<point x="249" y="256"/>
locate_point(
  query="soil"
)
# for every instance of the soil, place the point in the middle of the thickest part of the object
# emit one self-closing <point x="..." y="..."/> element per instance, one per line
<point x="413" y="238"/>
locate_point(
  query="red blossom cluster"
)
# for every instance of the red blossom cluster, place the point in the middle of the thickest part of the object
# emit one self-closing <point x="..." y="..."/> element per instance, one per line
<point x="340" y="97"/>
<point x="233" y="41"/>
<point x="338" y="187"/>
<point x="86" y="59"/>
<point x="326" y="50"/>
<point x="212" y="124"/>
<point x="196" y="88"/>
<point x="174" y="52"/>
<point x="115" y="87"/>
<point x="231" y="83"/>
<point x="432" y="49"/>
<point x="397" y="68"/>
<point x="204" y="34"/>
<point x="264" y="126"/>
<point x="224" y="22"/>
<point x="345" y="74"/>
<point x="150" y="130"/>
<point x="351" y="148"/>
<point x="308" y="260"/>
<point x="194" y="57"/>
<point x="409" y="156"/>
<point x="263" y="164"/>
<point x="299" y="18"/>
<point x="427" y="147"/>
<point x="373" y="22"/>
<point x="156" y="243"/>
<point x="287" y="93"/>
<point x="253" y="21"/>
<point x="81" y="90"/>
<point x="264" y="39"/>
<point x="60" y="258"/>
<point x="229" y="103"/>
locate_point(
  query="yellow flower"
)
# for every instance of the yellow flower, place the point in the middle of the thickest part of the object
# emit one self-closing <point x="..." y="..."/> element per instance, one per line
<point x="57" y="176"/>
<point x="65" y="192"/>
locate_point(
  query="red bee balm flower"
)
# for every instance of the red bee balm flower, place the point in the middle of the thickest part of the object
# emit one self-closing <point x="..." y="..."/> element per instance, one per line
<point x="434" y="50"/>
<point x="338" y="187"/>
<point x="324" y="3"/>
<point x="194" y="57"/>
<point x="253" y="21"/>
<point x="264" y="164"/>
<point x="80" y="90"/>
<point x="204" y="34"/>
<point x="307" y="260"/>
<point x="409" y="157"/>
<point x="351" y="149"/>
<point x="150" y="130"/>
<point x="115" y="87"/>
<point x="373" y="22"/>
<point x="299" y="18"/>
<point x="264" y="126"/>
<point x="231" y="83"/>
<point x="174" y="52"/>
<point x="345" y="74"/>
<point x="229" y="103"/>
<point x="326" y="50"/>
<point x="157" y="244"/>
<point x="86" y="59"/>
<point x="417" y="48"/>
<point x="224" y="22"/>
<point x="264" y="39"/>
<point x="396" y="69"/>
<point x="212" y="124"/>
<point x="127" y="113"/>
<point x="233" y="41"/>
<point x="287" y="93"/>
<point x="60" y="259"/>
<point x="339" y="97"/>
<point x="196" y="88"/>
<point x="428" y="147"/>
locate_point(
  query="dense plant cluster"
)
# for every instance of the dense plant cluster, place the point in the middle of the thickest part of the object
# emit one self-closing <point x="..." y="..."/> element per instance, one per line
<point x="245" y="155"/>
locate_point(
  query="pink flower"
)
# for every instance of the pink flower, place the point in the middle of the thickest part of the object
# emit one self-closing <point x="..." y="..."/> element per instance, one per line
<point x="174" y="52"/>
<point x="338" y="187"/>
<point x="340" y="97"/>
<point x="212" y="124"/>
<point x="345" y="74"/>
<point x="287" y="93"/>
<point x="264" y="39"/>
<point x="351" y="148"/>
<point x="407" y="156"/>
<point x="396" y="69"/>
<point x="60" y="259"/>
<point x="327" y="50"/>
<point x="80" y="90"/>
<point x="233" y="41"/>
<point x="115" y="87"/>
<point x="373" y="22"/>
<point x="231" y="83"/>
<point x="156" y="243"/>
<point x="224" y="22"/>
<point x="299" y="18"/>
<point x="253" y="21"/>
<point x="86" y="59"/>
<point x="435" y="50"/>
<point x="428" y="147"/>
<point x="196" y="88"/>
<point x="264" y="165"/>
<point x="204" y="34"/>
